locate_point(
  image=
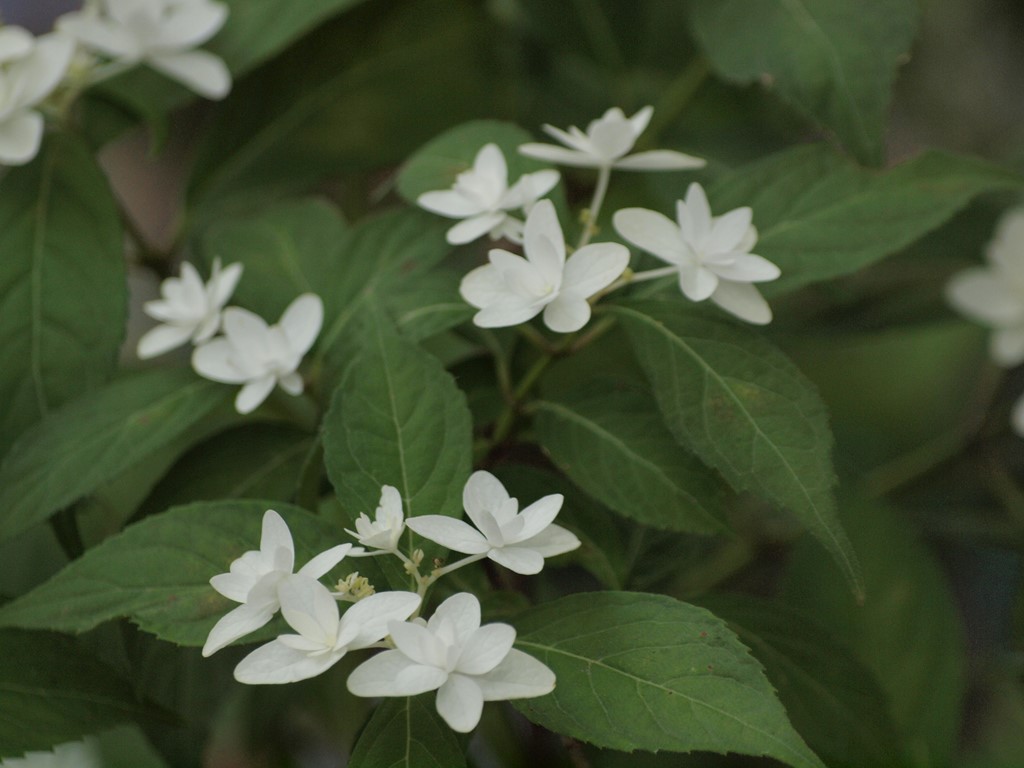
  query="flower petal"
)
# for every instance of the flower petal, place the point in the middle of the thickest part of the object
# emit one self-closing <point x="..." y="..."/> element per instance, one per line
<point x="742" y="300"/>
<point x="519" y="676"/>
<point x="100" y="34"/>
<point x="460" y="703"/>
<point x="372" y="615"/>
<point x="697" y="283"/>
<point x="980" y="294"/>
<point x="252" y="395"/>
<point x="567" y="313"/>
<point x="323" y="562"/>
<point x="694" y="215"/>
<point x="652" y="231"/>
<point x="728" y="230"/>
<point x="482" y="494"/>
<point x="1007" y="346"/>
<point x="277" y="663"/>
<point x="462" y="610"/>
<point x="225" y="283"/>
<point x="639" y="121"/>
<point x="20" y="137"/>
<point x="162" y="338"/>
<point x="544" y="243"/>
<point x="213" y="361"/>
<point x="392" y="673"/>
<point x="191" y="24"/>
<point x="449" y="533"/>
<point x="483" y="286"/>
<point x="552" y="153"/>
<point x="748" y="268"/>
<point x="469" y="230"/>
<point x="419" y="644"/>
<point x="292" y="383"/>
<point x="301" y="322"/>
<point x="518" y="559"/>
<point x="611" y="139"/>
<point x="659" y="160"/>
<point x="309" y="609"/>
<point x="538" y="516"/>
<point x="235" y="624"/>
<point x="485" y="648"/>
<point x="594" y="267"/>
<point x="553" y="540"/>
<point x="449" y="203"/>
<point x="44" y="68"/>
<point x="199" y="71"/>
<point x="529" y="188"/>
<point x="508" y="312"/>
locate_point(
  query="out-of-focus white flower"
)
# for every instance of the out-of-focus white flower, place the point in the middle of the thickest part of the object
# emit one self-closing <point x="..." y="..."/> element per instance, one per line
<point x="512" y="289"/>
<point x="994" y="295"/>
<point x="161" y="33"/>
<point x="711" y="253"/>
<point x="606" y="143"/>
<point x="465" y="663"/>
<point x="255" y="577"/>
<point x="189" y="310"/>
<point x="260" y="356"/>
<point x="73" y="754"/>
<point x="517" y="540"/>
<point x="323" y="637"/>
<point x="482" y="198"/>
<point x="30" y="69"/>
<point x="384" y="531"/>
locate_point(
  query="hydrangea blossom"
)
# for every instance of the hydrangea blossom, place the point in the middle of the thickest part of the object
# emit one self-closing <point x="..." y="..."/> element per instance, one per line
<point x="511" y="289"/>
<point x="260" y="356"/>
<point x="517" y="540"/>
<point x="710" y="253"/>
<point x="189" y="310"/>
<point x="467" y="664"/>
<point x="606" y="144"/>
<point x="254" y="580"/>
<point x="73" y="754"/>
<point x="30" y="69"/>
<point x="384" y="531"/>
<point x="323" y="636"/>
<point x="161" y="33"/>
<point x="482" y="198"/>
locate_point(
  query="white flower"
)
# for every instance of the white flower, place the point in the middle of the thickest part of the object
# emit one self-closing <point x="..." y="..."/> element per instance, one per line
<point x="994" y="295"/>
<point x="189" y="310"/>
<point x="511" y="290"/>
<point x="73" y="754"/>
<point x="323" y="638"/>
<point x="161" y="33"/>
<point x="711" y="253"/>
<point x="465" y="663"/>
<point x="261" y="356"/>
<point x="606" y="143"/>
<point x="384" y="531"/>
<point x="482" y="198"/>
<point x="254" y="578"/>
<point x="517" y="540"/>
<point x="30" y="69"/>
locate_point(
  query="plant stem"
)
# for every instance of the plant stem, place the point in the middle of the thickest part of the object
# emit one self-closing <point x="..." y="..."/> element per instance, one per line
<point x="590" y="225"/>
<point x="503" y="426"/>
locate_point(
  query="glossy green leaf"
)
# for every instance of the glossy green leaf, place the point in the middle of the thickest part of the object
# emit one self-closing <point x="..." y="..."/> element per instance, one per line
<point x="820" y="217"/>
<point x="615" y="446"/>
<point x="407" y="733"/>
<point x="397" y="418"/>
<point x="908" y="630"/>
<point x="52" y="690"/>
<point x="428" y="303"/>
<point x="62" y="279"/>
<point x="92" y="440"/>
<point x="157" y="572"/>
<point x="833" y="700"/>
<point x="638" y="671"/>
<point x="745" y="409"/>
<point x="833" y="60"/>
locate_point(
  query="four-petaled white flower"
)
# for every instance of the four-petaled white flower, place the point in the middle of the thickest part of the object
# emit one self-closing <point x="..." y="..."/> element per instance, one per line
<point x="161" y="33"/>
<point x="30" y="69"/>
<point x="512" y="289"/>
<point x="323" y="637"/>
<point x="517" y="540"/>
<point x="255" y="577"/>
<point x="73" y="754"/>
<point x="465" y="663"/>
<point x="711" y="253"/>
<point x="261" y="356"/>
<point x="384" y="531"/>
<point x="606" y="143"/>
<point x="189" y="310"/>
<point x="482" y="198"/>
<point x="994" y="295"/>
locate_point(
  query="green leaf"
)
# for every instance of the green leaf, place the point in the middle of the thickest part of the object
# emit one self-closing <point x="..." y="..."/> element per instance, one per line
<point x="157" y="572"/>
<point x="832" y="699"/>
<point x="908" y="631"/>
<point x="407" y="732"/>
<point x="397" y="418"/>
<point x="428" y="303"/>
<point x="62" y="277"/>
<point x="614" y="445"/>
<point x="52" y="690"/>
<point x="638" y="671"/>
<point x="290" y="248"/>
<point x="820" y="217"/>
<point x="97" y="437"/>
<point x="436" y="164"/>
<point x="745" y="409"/>
<point x="833" y="60"/>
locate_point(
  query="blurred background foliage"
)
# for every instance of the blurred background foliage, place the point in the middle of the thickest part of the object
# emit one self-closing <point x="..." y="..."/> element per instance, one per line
<point x="932" y="665"/>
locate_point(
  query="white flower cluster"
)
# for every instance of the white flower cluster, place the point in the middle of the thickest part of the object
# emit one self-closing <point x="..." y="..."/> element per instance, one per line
<point x="994" y="296"/>
<point x="250" y="353"/>
<point x="160" y="33"/>
<point x="465" y="662"/>
<point x="710" y="255"/>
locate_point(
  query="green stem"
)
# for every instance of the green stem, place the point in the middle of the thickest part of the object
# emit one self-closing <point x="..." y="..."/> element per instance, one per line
<point x="503" y="426"/>
<point x="590" y="224"/>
